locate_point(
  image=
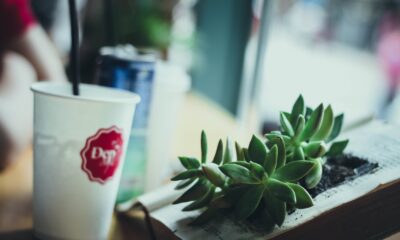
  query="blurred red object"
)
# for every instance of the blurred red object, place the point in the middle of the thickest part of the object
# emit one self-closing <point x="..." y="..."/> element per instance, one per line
<point x="15" y="18"/>
<point x="389" y="56"/>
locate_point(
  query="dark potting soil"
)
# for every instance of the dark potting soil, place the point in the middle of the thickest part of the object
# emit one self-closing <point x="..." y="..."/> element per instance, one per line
<point x="340" y="169"/>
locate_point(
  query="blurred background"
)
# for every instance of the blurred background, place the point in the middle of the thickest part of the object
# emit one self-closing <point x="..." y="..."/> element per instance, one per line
<point x="229" y="67"/>
<point x="224" y="66"/>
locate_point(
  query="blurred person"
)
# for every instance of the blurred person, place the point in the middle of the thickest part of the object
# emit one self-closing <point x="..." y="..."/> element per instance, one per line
<point x="388" y="51"/>
<point x="26" y="55"/>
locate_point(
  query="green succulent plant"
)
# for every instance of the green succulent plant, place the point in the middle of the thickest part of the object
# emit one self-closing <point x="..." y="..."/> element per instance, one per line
<point x="308" y="135"/>
<point x="262" y="180"/>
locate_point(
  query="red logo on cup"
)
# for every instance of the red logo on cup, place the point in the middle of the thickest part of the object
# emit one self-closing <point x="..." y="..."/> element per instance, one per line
<point x="101" y="154"/>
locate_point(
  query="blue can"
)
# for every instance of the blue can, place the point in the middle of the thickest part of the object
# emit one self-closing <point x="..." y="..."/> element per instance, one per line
<point x="126" y="68"/>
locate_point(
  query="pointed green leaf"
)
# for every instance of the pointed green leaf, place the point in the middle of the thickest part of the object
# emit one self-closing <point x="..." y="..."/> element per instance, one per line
<point x="298" y="154"/>
<point x="184" y="183"/>
<point x="293" y="171"/>
<point x="298" y="109"/>
<point x="242" y="163"/>
<point x="187" y="174"/>
<point x="271" y="160"/>
<point x="213" y="174"/>
<point x="337" y="127"/>
<point x="271" y="136"/>
<point x="281" y="158"/>
<point x="337" y="148"/>
<point x="275" y="207"/>
<point x="288" y="116"/>
<point x="309" y="111"/>
<point x="238" y="173"/>
<point x="203" y="147"/>
<point x="219" y="153"/>
<point x="248" y="203"/>
<point x="287" y="140"/>
<point x="303" y="198"/>
<point x="257" y="150"/>
<point x="195" y="192"/>
<point x="233" y="193"/>
<point x="286" y="125"/>
<point x="201" y="202"/>
<point x="315" y="149"/>
<point x="239" y="152"/>
<point x="281" y="191"/>
<point x="189" y="163"/>
<point x="246" y="154"/>
<point x="256" y="170"/>
<point x="267" y="221"/>
<point x="312" y="124"/>
<point x="314" y="176"/>
<point x="300" y="123"/>
<point x="326" y="125"/>
<point x="229" y="155"/>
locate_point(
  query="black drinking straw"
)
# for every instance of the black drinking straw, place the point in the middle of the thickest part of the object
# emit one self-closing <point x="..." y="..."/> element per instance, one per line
<point x="109" y="22"/>
<point x="74" y="54"/>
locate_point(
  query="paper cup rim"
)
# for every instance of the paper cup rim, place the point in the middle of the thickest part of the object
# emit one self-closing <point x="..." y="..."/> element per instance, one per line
<point x="106" y="95"/>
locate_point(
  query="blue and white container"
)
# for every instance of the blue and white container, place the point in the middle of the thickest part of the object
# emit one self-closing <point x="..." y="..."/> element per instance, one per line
<point x="125" y="67"/>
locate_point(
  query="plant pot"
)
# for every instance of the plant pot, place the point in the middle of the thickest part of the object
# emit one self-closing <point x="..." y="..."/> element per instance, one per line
<point x="362" y="206"/>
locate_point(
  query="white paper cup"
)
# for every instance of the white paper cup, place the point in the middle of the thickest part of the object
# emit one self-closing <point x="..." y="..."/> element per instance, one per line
<point x="79" y="150"/>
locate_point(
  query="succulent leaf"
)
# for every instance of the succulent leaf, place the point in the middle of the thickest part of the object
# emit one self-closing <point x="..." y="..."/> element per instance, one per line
<point x="314" y="176"/>
<point x="203" y="147"/>
<point x="298" y="109"/>
<point x="238" y="173"/>
<point x="303" y="198"/>
<point x="275" y="207"/>
<point x="257" y="150"/>
<point x="337" y="127"/>
<point x="298" y="154"/>
<point x="271" y="160"/>
<point x="281" y="190"/>
<point x="337" y="148"/>
<point x="239" y="152"/>
<point x="219" y="153"/>
<point x="189" y="163"/>
<point x="229" y="155"/>
<point x="270" y="136"/>
<point x="312" y="124"/>
<point x="201" y="202"/>
<point x="286" y="125"/>
<point x="196" y="191"/>
<point x="326" y="125"/>
<point x="213" y="174"/>
<point x="257" y="171"/>
<point x="242" y="163"/>
<point x="267" y="220"/>
<point x="234" y="192"/>
<point x="293" y="171"/>
<point x="246" y="154"/>
<point x="248" y="203"/>
<point x="278" y="141"/>
<point x="184" y="183"/>
<point x="300" y="123"/>
<point x="187" y="174"/>
<point x="309" y="111"/>
<point x="315" y="149"/>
